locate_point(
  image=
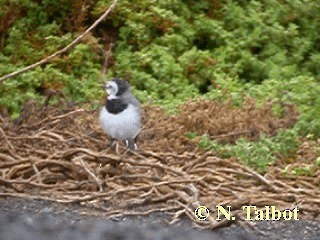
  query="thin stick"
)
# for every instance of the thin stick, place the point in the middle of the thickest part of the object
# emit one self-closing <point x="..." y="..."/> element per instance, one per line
<point x="63" y="50"/>
<point x="6" y="139"/>
<point x="89" y="170"/>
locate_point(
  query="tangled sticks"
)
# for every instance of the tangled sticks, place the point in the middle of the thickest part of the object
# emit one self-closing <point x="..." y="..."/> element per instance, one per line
<point x="63" y="156"/>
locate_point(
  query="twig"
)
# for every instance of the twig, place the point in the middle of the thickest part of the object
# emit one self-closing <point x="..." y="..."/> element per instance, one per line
<point x="63" y="50"/>
<point x="6" y="139"/>
<point x="262" y="179"/>
<point x="230" y="134"/>
<point x="36" y="170"/>
<point x="91" y="173"/>
<point x="144" y="213"/>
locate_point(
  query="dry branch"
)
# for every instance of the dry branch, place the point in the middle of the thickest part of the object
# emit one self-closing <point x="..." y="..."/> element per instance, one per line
<point x="61" y="156"/>
<point x="63" y="50"/>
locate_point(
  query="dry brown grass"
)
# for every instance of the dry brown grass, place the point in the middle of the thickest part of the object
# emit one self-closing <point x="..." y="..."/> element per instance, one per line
<point x="221" y="120"/>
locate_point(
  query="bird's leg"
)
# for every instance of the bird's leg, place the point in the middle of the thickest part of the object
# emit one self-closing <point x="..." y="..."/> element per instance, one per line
<point x="135" y="141"/>
<point x="113" y="142"/>
<point x="117" y="147"/>
<point x="136" y="137"/>
<point x="131" y="144"/>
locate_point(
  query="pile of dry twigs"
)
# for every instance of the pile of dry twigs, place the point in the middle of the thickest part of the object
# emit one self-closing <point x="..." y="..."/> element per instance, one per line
<point x="62" y="155"/>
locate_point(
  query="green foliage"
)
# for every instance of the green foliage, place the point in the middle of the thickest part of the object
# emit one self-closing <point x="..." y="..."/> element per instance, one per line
<point x="172" y="50"/>
<point x="205" y="143"/>
<point x="303" y="91"/>
<point x="191" y="135"/>
<point x="303" y="170"/>
<point x="275" y="39"/>
<point x="36" y="32"/>
<point x="259" y="154"/>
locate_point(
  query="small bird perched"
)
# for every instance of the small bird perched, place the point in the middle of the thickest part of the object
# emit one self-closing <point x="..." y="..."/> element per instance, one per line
<point x="120" y="117"/>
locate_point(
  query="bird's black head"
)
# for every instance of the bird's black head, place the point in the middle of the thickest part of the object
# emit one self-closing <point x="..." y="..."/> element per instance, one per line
<point x="123" y="86"/>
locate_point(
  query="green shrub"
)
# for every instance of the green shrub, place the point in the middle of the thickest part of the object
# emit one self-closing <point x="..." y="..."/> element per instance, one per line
<point x="170" y="50"/>
<point x="259" y="154"/>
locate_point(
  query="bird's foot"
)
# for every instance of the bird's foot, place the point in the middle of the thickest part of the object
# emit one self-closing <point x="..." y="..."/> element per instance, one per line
<point x="112" y="143"/>
<point x="131" y="144"/>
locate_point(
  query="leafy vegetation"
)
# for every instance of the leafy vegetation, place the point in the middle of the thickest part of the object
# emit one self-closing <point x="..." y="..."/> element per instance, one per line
<point x="172" y="50"/>
<point x="259" y="154"/>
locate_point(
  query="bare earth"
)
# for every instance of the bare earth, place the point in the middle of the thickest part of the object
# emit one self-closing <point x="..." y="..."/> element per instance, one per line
<point x="38" y="219"/>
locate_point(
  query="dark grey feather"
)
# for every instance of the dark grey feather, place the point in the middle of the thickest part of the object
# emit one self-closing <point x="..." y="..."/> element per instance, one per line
<point x="115" y="106"/>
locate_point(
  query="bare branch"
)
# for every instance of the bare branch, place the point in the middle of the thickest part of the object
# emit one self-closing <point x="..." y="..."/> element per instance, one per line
<point x="63" y="50"/>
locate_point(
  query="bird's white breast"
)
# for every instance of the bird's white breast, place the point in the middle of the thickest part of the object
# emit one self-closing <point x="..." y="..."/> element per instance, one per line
<point x="124" y="125"/>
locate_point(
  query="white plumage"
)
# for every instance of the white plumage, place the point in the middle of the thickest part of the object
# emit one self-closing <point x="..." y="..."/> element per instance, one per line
<point x="120" y="118"/>
<point x="122" y="126"/>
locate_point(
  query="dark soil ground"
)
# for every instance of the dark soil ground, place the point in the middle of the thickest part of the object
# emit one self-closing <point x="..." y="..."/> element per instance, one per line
<point x="38" y="219"/>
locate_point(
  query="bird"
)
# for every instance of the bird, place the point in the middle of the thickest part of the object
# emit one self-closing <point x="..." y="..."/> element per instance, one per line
<point x="120" y="117"/>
